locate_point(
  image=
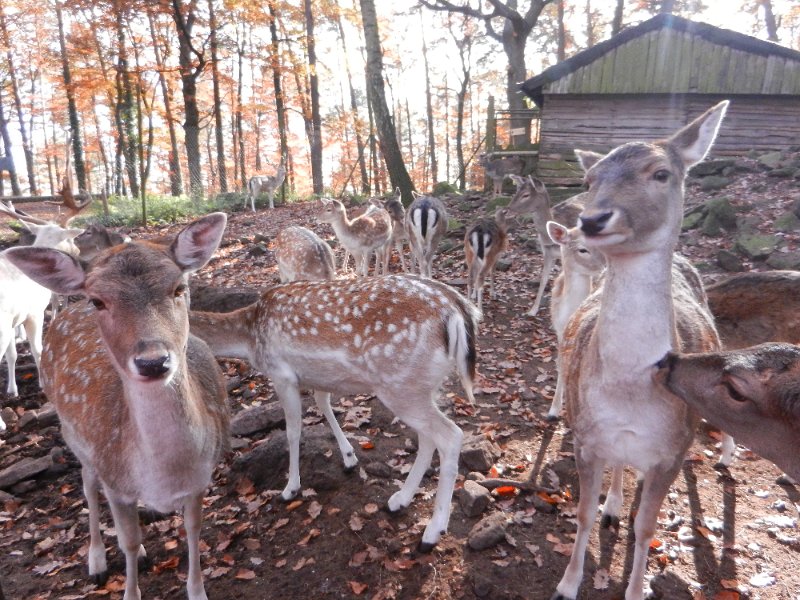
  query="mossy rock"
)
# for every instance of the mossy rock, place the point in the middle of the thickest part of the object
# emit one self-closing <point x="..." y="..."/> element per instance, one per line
<point x="771" y="160"/>
<point x="729" y="261"/>
<point x="714" y="182"/>
<point x="444" y="187"/>
<point x="787" y="222"/>
<point x="496" y="203"/>
<point x="692" y="220"/>
<point x="454" y="224"/>
<point x="757" y="246"/>
<point x="787" y="260"/>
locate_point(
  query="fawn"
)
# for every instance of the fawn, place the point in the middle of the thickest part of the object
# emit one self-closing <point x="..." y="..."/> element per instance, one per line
<point x="645" y="307"/>
<point x="302" y="254"/>
<point x="426" y="224"/>
<point x="141" y="401"/>
<point x="532" y="197"/>
<point x="394" y="206"/>
<point x="395" y="336"/>
<point x="265" y="184"/>
<point x="361" y="236"/>
<point x="484" y="242"/>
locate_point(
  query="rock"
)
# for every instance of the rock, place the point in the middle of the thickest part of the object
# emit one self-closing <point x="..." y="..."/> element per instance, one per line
<point x="9" y="416"/>
<point x="482" y="585"/>
<point x="743" y="166"/>
<point x="478" y="453"/>
<point x="258" y="250"/>
<point x="258" y="418"/>
<point x="473" y="498"/>
<point x="748" y="224"/>
<point x="217" y="299"/>
<point x="543" y="506"/>
<point x="24" y="469"/>
<point x="756" y="246"/>
<point x="721" y="210"/>
<point x="714" y="182"/>
<point x="782" y="261"/>
<point x="771" y="160"/>
<point x="379" y="469"/>
<point x="502" y="265"/>
<point x="730" y="261"/>
<point x="711" y="167"/>
<point x="787" y="222"/>
<point x="692" y="220"/>
<point x="488" y="532"/>
<point x="782" y="172"/>
<point x="260" y="238"/>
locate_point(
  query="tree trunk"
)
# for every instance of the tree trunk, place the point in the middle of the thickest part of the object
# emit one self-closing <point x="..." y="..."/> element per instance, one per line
<point x="72" y="108"/>
<point x="277" y="82"/>
<point x="125" y="106"/>
<point x="189" y="75"/>
<point x="388" y="139"/>
<point x="238" y="117"/>
<point x="616" y="24"/>
<point x="590" y="39"/>
<point x="666" y="7"/>
<point x="769" y="20"/>
<point x="460" y="102"/>
<point x="223" y="176"/>
<point x="561" y="52"/>
<point x="8" y="162"/>
<point x="316" y="118"/>
<point x="174" y="161"/>
<point x="429" y="113"/>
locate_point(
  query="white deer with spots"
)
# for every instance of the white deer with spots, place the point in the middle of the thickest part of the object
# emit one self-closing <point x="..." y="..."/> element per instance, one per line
<point x="396" y="337"/>
<point x="141" y="401"/>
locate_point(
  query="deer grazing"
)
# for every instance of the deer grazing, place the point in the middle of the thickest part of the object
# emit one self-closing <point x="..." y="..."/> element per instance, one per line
<point x="426" y="224"/>
<point x="580" y="267"/>
<point x="302" y="254"/>
<point x="497" y="168"/>
<point x="751" y="393"/>
<point x="141" y="401"/>
<point x="532" y="198"/>
<point x="265" y="184"/>
<point x="484" y="242"/>
<point x="645" y="308"/>
<point x="361" y="236"/>
<point x="396" y="337"/>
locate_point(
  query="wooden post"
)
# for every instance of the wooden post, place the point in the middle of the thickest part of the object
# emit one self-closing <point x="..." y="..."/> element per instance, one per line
<point x="491" y="138"/>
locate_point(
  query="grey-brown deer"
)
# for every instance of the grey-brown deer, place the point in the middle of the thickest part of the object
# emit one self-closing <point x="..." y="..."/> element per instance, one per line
<point x="396" y="337"/>
<point x="426" y="224"/>
<point x="484" y="242"/>
<point x="498" y="168"/>
<point x="752" y="393"/>
<point x="302" y="254"/>
<point x="394" y="206"/>
<point x="265" y="184"/>
<point x="141" y="401"/>
<point x="645" y="308"/>
<point x="532" y="198"/>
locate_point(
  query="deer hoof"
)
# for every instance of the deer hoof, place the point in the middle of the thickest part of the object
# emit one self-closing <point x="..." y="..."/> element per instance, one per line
<point x="552" y="418"/>
<point x="99" y="579"/>
<point x="609" y="522"/>
<point x="289" y="496"/>
<point x="558" y="596"/>
<point x="425" y="547"/>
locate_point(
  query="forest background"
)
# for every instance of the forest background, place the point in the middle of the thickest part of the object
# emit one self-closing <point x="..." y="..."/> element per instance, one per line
<point x="190" y="98"/>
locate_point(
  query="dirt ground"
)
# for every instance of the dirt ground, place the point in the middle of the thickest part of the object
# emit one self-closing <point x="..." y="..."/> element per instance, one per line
<point x="722" y="535"/>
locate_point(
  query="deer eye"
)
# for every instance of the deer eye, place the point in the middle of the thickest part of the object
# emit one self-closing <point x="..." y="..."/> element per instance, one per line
<point x="180" y="290"/>
<point x="662" y="175"/>
<point x="733" y="392"/>
<point x="97" y="303"/>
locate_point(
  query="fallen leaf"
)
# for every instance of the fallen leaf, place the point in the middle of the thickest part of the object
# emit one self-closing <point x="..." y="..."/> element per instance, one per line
<point x="170" y="563"/>
<point x="294" y="505"/>
<point x="505" y="490"/>
<point x="245" y="574"/>
<point x="356" y="522"/>
<point x="245" y="487"/>
<point x="601" y="579"/>
<point x="357" y="587"/>
<point x="366" y="446"/>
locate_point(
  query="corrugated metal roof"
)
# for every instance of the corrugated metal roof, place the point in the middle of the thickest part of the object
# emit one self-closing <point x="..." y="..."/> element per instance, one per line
<point x="669" y="54"/>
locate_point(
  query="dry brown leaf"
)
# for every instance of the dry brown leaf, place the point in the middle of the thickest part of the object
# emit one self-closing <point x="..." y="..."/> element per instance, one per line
<point x="245" y="574"/>
<point x="356" y="522"/>
<point x="601" y="579"/>
<point x="357" y="587"/>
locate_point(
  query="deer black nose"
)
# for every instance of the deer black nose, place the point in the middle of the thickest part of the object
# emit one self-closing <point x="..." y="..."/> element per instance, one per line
<point x="596" y="224"/>
<point x="152" y="367"/>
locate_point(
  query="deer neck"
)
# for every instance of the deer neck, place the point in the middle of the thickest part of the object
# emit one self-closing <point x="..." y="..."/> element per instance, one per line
<point x="229" y="334"/>
<point x="636" y="323"/>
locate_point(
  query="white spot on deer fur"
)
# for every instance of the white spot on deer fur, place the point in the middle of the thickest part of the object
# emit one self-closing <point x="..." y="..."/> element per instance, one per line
<point x="357" y="341"/>
<point x="388" y="350"/>
<point x="391" y="328"/>
<point x="328" y="317"/>
<point x="347" y="328"/>
<point x="356" y="312"/>
<point x="346" y="311"/>
<point x="367" y="329"/>
<point x="313" y="331"/>
<point x="378" y="325"/>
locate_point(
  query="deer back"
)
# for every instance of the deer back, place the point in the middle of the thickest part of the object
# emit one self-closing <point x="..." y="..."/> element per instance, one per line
<point x="302" y="254"/>
<point x="426" y="221"/>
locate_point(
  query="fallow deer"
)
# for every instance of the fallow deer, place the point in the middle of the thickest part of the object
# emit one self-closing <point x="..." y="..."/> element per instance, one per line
<point x="302" y="254"/>
<point x="532" y="198"/>
<point x="141" y="401"/>
<point x="484" y="242"/>
<point x="361" y="236"/>
<point x="645" y="308"/>
<point x="752" y="393"/>
<point x="394" y="206"/>
<point x="426" y="224"/>
<point x="396" y="337"/>
<point x="265" y="184"/>
<point x="580" y="268"/>
<point x="497" y="168"/>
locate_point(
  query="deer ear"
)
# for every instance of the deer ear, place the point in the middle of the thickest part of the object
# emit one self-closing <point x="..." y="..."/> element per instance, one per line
<point x="694" y="141"/>
<point x="587" y="159"/>
<point x="57" y="271"/>
<point x="193" y="247"/>
<point x="557" y="232"/>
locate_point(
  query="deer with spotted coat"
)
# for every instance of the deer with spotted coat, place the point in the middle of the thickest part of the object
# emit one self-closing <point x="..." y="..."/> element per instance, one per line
<point x="395" y="336"/>
<point x="645" y="307"/>
<point x="141" y="401"/>
<point x="367" y="233"/>
<point x="484" y="242"/>
<point x="302" y="254"/>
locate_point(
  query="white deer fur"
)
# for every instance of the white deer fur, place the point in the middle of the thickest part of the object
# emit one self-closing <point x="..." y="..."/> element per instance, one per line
<point x="302" y="254"/>
<point x="426" y="224"/>
<point x="396" y="337"/>
<point x="580" y="267"/>
<point x="23" y="301"/>
<point x="141" y="401"/>
<point x="264" y="184"/>
<point x="484" y="242"/>
<point x="367" y="233"/>
<point x="646" y="307"/>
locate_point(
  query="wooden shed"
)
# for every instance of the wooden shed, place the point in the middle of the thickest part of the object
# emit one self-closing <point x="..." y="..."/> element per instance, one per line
<point x="650" y="79"/>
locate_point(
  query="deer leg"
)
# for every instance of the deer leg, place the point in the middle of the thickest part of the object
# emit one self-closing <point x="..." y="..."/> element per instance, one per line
<point x="547" y="266"/>
<point x="399" y="247"/>
<point x="292" y="405"/>
<point x="590" y="475"/>
<point x="271" y="200"/>
<point x="346" y="261"/>
<point x="614" y="499"/>
<point x="33" y="329"/>
<point x="323" y="400"/>
<point x="98" y="569"/>
<point x="192" y="521"/>
<point x="726" y="451"/>
<point x="656" y="486"/>
<point x="9" y="342"/>
<point x="557" y="405"/>
<point x="129" y="537"/>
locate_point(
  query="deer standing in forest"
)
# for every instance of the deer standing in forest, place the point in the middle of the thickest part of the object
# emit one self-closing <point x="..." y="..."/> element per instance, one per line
<point x="532" y="198"/>
<point x="484" y="242"/>
<point x="396" y="337"/>
<point x="265" y="184"/>
<point x="394" y="206"/>
<point x="645" y="308"/>
<point x="302" y="254"/>
<point x="497" y="168"/>
<point x="361" y="236"/>
<point x="141" y="401"/>
<point x="426" y="224"/>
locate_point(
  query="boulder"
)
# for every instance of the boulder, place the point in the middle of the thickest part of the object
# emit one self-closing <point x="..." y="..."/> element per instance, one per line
<point x="478" y="453"/>
<point x="771" y="160"/>
<point x="757" y="246"/>
<point x="784" y="260"/>
<point x="730" y="261"/>
<point x="258" y="418"/>
<point x="473" y="498"/>
<point x="488" y="532"/>
<point x="714" y="182"/>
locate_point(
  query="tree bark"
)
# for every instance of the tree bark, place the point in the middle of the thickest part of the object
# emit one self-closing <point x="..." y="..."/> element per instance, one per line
<point x="769" y="20"/>
<point x="277" y="82"/>
<point x="8" y="163"/>
<point x="124" y="105"/>
<point x="72" y="107"/>
<point x="561" y="52"/>
<point x="316" y="118"/>
<point x="388" y="139"/>
<point x="223" y="176"/>
<point x="429" y="113"/>
<point x="616" y="24"/>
